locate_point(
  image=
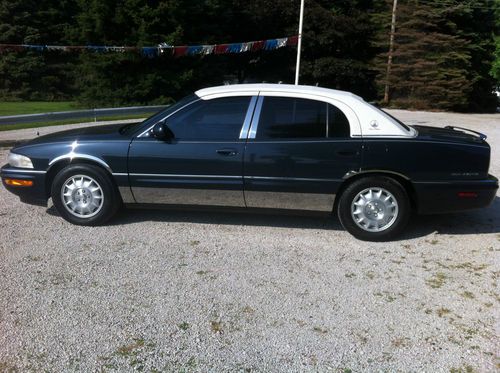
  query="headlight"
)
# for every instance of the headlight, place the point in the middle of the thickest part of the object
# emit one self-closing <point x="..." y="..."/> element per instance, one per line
<point x="18" y="160"/>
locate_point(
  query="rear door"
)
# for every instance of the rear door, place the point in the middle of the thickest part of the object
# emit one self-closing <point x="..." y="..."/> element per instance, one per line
<point x="297" y="153"/>
<point x="202" y="165"/>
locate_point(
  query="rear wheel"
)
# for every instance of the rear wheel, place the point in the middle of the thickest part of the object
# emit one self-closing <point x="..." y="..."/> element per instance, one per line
<point x="374" y="208"/>
<point x="85" y="195"/>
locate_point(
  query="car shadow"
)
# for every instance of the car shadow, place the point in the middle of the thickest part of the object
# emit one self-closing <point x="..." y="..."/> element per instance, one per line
<point x="465" y="223"/>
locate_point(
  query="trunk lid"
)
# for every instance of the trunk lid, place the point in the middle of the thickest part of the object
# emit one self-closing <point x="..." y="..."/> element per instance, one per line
<point x="451" y="134"/>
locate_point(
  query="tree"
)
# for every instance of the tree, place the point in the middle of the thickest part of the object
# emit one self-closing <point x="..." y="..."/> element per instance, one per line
<point x="429" y="67"/>
<point x="475" y="22"/>
<point x="31" y="75"/>
<point x="442" y="56"/>
<point x="495" y="69"/>
<point x="337" y="48"/>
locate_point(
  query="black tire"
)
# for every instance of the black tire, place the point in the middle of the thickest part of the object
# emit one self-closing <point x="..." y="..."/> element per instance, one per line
<point x="111" y="200"/>
<point x="394" y="225"/>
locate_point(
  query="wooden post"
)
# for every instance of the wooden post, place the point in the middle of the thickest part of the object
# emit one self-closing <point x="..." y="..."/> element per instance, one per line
<point x="391" y="50"/>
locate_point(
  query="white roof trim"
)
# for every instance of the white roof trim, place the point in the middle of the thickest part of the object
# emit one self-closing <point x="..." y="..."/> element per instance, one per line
<point x="370" y="122"/>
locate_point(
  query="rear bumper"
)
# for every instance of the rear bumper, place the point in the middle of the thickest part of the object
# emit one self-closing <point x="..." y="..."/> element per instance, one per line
<point x="36" y="194"/>
<point x="454" y="196"/>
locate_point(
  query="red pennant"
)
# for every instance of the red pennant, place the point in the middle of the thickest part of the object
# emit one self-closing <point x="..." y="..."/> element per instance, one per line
<point x="221" y="48"/>
<point x="258" y="45"/>
<point x="180" y="51"/>
<point x="292" y="40"/>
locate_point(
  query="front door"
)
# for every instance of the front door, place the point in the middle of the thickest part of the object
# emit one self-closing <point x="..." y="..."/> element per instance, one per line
<point x="297" y="153"/>
<point x="202" y="164"/>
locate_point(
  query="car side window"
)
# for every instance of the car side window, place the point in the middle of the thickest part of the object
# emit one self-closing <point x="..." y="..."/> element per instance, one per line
<point x="206" y="120"/>
<point x="298" y="118"/>
<point x="338" y="124"/>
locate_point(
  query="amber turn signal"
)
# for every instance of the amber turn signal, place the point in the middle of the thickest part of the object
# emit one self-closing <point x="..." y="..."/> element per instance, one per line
<point x="19" y="182"/>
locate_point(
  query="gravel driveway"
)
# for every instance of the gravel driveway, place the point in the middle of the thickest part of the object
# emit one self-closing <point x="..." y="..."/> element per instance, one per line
<point x="216" y="292"/>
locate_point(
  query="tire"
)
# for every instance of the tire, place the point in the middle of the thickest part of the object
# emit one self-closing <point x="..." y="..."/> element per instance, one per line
<point x="379" y="216"/>
<point x="84" y="194"/>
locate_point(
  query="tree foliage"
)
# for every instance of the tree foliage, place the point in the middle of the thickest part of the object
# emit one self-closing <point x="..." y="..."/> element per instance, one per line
<point x="495" y="69"/>
<point x="28" y="75"/>
<point x="444" y="54"/>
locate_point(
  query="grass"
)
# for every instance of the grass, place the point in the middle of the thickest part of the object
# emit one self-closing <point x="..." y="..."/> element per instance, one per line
<point x="32" y="107"/>
<point x="18" y="126"/>
<point x="131" y="348"/>
<point x="216" y="326"/>
<point x="437" y="281"/>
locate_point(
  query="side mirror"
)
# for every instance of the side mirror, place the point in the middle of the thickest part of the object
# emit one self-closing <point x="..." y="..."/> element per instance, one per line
<point x="162" y="132"/>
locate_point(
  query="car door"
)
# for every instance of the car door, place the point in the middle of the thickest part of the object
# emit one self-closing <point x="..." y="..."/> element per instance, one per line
<point x="297" y="153"/>
<point x="202" y="164"/>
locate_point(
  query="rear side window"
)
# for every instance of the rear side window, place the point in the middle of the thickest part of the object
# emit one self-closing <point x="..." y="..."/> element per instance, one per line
<point x="217" y="119"/>
<point x="338" y="125"/>
<point x="298" y="118"/>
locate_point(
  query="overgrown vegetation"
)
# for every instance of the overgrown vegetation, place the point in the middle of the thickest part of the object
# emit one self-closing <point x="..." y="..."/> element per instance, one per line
<point x="444" y="51"/>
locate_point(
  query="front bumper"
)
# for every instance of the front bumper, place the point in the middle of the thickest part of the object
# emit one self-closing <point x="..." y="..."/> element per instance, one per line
<point x="35" y="194"/>
<point x="454" y="196"/>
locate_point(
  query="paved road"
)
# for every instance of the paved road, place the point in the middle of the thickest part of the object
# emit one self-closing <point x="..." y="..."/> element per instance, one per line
<point x="193" y="291"/>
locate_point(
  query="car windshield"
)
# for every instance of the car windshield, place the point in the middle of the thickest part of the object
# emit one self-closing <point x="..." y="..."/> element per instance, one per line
<point x="129" y="128"/>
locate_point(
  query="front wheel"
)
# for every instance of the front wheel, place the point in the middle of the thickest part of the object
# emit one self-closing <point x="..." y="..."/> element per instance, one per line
<point x="85" y="195"/>
<point x="374" y="208"/>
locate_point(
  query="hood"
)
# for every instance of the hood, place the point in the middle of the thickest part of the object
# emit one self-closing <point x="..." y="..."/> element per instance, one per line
<point x="94" y="133"/>
<point x="450" y="134"/>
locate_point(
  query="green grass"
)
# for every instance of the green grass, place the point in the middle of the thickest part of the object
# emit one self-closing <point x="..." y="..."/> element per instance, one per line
<point x="32" y="107"/>
<point x="18" y="126"/>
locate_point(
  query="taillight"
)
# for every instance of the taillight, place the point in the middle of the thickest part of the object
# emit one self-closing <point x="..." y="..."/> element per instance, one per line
<point x="467" y="194"/>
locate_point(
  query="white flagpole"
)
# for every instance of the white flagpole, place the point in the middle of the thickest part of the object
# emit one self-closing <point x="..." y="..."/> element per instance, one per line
<point x="299" y="45"/>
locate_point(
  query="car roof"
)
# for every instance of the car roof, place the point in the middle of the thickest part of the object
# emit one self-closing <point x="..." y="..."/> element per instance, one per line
<point x="266" y="87"/>
<point x="365" y="119"/>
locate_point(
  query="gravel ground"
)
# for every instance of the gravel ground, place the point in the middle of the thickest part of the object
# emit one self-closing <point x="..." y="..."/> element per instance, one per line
<point x="197" y="291"/>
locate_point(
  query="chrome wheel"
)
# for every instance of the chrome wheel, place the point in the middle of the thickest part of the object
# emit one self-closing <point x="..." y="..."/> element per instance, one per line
<point x="82" y="196"/>
<point x="374" y="209"/>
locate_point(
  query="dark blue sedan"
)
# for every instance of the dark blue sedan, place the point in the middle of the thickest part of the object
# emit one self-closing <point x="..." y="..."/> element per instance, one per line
<point x="257" y="147"/>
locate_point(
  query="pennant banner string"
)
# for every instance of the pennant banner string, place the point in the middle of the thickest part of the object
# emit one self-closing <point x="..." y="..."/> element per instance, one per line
<point x="163" y="48"/>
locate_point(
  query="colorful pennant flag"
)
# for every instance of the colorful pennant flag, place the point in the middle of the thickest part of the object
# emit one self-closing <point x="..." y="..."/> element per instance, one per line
<point x="163" y="48"/>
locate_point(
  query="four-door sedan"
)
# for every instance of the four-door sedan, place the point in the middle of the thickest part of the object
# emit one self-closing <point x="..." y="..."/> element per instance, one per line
<point x="261" y="146"/>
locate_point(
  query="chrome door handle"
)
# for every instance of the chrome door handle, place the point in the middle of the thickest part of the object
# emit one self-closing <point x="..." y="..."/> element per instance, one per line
<point x="227" y="152"/>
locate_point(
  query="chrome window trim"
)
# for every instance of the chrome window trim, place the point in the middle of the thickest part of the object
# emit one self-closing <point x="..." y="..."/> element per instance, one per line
<point x="328" y="120"/>
<point x="256" y="117"/>
<point x="248" y="119"/>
